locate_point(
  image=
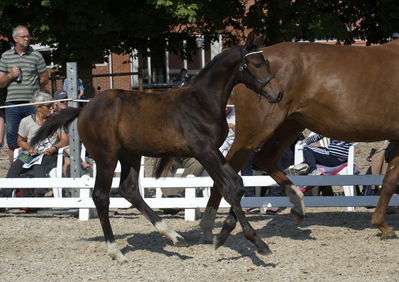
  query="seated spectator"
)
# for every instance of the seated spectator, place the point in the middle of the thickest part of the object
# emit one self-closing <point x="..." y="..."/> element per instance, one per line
<point x="41" y="158"/>
<point x="334" y="155"/>
<point x="182" y="80"/>
<point x="231" y="123"/>
<point x="61" y="105"/>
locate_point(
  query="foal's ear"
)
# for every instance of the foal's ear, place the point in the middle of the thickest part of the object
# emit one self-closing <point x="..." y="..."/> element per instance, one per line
<point x="255" y="40"/>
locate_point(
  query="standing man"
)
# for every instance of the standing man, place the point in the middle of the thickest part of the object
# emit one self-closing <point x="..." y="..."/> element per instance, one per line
<point x="23" y="72"/>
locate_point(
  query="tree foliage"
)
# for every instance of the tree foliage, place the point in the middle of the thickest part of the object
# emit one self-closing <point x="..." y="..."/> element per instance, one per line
<point x="85" y="31"/>
<point x="343" y="20"/>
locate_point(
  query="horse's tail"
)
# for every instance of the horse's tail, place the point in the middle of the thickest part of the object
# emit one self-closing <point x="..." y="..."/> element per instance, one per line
<point x="160" y="165"/>
<point x="63" y="118"/>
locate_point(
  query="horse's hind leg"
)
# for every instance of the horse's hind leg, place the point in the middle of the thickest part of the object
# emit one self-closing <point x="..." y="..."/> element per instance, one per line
<point x="389" y="184"/>
<point x="268" y="157"/>
<point x="232" y="189"/>
<point x="129" y="189"/>
<point x="101" y="193"/>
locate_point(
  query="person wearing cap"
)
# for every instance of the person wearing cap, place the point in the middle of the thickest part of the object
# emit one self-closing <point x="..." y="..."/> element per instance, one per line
<point x="60" y="105"/>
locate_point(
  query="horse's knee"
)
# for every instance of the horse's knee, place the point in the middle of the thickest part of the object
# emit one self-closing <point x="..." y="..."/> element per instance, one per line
<point x="100" y="198"/>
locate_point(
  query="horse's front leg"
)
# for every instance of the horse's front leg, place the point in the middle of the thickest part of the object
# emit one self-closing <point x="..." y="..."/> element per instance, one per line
<point x="230" y="182"/>
<point x="237" y="156"/>
<point x="267" y="159"/>
<point x="101" y="193"/>
<point x="389" y="184"/>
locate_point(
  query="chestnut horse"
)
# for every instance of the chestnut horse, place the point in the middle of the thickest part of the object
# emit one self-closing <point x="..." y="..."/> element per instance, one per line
<point x="343" y="92"/>
<point x="187" y="122"/>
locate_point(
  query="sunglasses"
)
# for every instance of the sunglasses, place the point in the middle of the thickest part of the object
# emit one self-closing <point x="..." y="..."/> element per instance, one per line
<point x="48" y="106"/>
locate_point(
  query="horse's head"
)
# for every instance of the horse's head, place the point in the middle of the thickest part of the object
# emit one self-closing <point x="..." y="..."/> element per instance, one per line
<point x="256" y="73"/>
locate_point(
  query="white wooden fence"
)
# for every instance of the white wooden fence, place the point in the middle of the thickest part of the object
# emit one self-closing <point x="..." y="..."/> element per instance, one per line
<point x="190" y="202"/>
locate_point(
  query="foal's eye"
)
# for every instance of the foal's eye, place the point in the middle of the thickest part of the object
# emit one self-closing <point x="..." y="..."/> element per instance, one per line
<point x="258" y="65"/>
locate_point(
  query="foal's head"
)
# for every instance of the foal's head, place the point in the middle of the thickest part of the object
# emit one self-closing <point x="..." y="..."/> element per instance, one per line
<point x="256" y="73"/>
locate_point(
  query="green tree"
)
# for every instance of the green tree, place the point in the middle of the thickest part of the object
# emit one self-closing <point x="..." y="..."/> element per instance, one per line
<point x="344" y="20"/>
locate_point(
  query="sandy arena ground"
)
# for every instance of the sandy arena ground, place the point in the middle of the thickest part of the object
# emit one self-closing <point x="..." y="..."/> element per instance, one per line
<point x="332" y="244"/>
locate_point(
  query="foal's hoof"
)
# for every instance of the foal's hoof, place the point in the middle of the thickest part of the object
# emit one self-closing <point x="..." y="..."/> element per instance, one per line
<point x="119" y="258"/>
<point x="180" y="242"/>
<point x="265" y="251"/>
<point x="206" y="239"/>
<point x="217" y="242"/>
<point x="298" y="217"/>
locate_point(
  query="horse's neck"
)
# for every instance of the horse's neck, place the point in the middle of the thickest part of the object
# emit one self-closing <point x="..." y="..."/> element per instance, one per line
<point x="217" y="82"/>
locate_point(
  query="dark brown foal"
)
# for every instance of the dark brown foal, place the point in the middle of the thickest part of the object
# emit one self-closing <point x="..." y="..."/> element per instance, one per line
<point x="186" y="122"/>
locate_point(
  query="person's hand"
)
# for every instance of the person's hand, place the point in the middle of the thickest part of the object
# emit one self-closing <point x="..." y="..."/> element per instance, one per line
<point x="15" y="72"/>
<point x="32" y="151"/>
<point x="50" y="151"/>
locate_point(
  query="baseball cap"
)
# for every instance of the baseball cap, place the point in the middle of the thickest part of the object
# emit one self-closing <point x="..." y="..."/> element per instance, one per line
<point x="395" y="35"/>
<point x="60" y="94"/>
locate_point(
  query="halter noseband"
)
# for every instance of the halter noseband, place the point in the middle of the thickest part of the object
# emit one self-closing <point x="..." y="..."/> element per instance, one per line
<point x="244" y="67"/>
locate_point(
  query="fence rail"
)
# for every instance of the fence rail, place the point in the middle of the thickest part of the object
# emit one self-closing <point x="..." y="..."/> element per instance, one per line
<point x="190" y="202"/>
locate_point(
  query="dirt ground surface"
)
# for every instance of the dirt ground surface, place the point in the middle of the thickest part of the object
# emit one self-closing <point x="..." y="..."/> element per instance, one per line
<point x="332" y="244"/>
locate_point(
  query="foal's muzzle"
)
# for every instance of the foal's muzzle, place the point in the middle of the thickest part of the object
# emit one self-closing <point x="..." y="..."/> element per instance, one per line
<point x="276" y="99"/>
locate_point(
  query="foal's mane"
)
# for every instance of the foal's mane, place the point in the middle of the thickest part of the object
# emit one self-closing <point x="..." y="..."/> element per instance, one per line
<point x="211" y="63"/>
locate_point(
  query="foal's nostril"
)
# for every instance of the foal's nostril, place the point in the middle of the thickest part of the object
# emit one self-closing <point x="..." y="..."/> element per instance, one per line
<point x="280" y="96"/>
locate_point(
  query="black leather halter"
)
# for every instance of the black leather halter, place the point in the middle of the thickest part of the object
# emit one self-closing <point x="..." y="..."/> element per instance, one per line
<point x="244" y="68"/>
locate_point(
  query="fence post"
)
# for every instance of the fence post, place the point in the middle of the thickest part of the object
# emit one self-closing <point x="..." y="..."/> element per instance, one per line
<point x="74" y="141"/>
<point x="190" y="193"/>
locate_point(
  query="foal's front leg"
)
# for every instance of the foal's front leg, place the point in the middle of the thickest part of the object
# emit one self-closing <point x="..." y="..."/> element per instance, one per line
<point x="101" y="193"/>
<point x="225" y="177"/>
<point x="236" y="158"/>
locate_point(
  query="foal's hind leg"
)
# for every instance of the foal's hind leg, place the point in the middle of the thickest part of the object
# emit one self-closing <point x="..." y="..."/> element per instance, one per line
<point x="129" y="189"/>
<point x="230" y="182"/>
<point x="389" y="184"/>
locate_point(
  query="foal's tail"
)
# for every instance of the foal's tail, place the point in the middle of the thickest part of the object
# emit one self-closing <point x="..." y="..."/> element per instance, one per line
<point x="161" y="165"/>
<point x="63" y="118"/>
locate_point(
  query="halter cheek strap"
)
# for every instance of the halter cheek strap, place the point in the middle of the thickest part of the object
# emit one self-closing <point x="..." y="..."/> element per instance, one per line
<point x="244" y="67"/>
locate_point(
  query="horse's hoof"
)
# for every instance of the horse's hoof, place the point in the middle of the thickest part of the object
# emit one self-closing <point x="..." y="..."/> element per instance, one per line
<point x="206" y="239"/>
<point x="119" y="258"/>
<point x="122" y="260"/>
<point x="265" y="251"/>
<point x="387" y="234"/>
<point x="180" y="242"/>
<point x="298" y="217"/>
<point x="217" y="242"/>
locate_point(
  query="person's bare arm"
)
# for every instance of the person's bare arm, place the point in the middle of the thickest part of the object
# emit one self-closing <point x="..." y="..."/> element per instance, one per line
<point x="24" y="145"/>
<point x="6" y="78"/>
<point x="43" y="80"/>
<point x="63" y="141"/>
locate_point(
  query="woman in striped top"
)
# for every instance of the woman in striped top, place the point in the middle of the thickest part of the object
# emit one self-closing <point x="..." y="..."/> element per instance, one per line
<point x="334" y="155"/>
